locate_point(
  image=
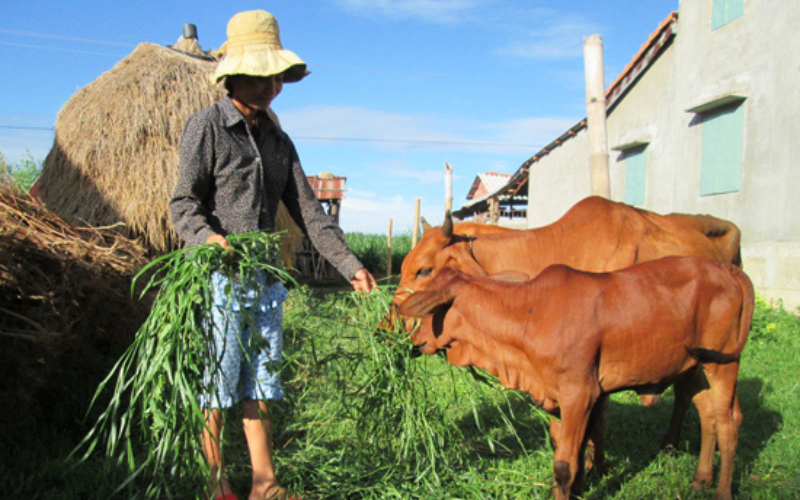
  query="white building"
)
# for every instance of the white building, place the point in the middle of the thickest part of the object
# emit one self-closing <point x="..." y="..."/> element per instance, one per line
<point x="705" y="119"/>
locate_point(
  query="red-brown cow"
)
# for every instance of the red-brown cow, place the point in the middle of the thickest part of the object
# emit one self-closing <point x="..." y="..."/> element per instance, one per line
<point x="570" y="338"/>
<point x="594" y="235"/>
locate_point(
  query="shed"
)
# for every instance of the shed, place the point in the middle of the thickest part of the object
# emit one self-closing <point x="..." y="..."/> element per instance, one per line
<point x="492" y="202"/>
<point x="329" y="190"/>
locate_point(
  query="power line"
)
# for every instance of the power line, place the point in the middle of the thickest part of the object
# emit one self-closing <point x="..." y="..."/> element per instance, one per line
<point x="15" y="127"/>
<point x="62" y="37"/>
<point x="60" y="49"/>
<point x="353" y="139"/>
<point x="415" y="141"/>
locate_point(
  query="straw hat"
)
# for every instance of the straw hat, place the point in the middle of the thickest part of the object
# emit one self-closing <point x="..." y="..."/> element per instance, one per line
<point x="254" y="48"/>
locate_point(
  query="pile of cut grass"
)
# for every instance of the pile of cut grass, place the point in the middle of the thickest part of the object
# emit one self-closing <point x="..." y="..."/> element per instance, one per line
<point x="153" y="420"/>
<point x="369" y="418"/>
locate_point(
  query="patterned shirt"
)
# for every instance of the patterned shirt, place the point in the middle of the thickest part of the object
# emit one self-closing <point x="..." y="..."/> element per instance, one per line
<point x="231" y="180"/>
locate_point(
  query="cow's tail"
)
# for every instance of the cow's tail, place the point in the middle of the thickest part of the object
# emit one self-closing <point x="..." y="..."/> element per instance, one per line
<point x="745" y="321"/>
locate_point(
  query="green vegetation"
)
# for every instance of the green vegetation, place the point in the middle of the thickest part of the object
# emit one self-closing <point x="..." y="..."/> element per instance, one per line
<point x="22" y="175"/>
<point x="157" y="382"/>
<point x="372" y="250"/>
<point x="366" y="418"/>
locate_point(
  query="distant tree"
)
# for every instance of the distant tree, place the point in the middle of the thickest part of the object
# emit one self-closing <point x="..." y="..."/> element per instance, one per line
<point x="21" y="176"/>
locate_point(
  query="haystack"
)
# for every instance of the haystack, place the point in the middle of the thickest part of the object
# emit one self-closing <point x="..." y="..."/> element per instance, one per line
<point x="114" y="162"/>
<point x="66" y="311"/>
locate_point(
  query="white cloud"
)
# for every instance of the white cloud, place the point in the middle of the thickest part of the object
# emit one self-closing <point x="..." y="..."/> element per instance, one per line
<point x="17" y="145"/>
<point x="544" y="34"/>
<point x="394" y="131"/>
<point x="538" y="131"/>
<point x="403" y="169"/>
<point x="531" y="32"/>
<point x="371" y="215"/>
<point x="381" y="129"/>
<point x="433" y="11"/>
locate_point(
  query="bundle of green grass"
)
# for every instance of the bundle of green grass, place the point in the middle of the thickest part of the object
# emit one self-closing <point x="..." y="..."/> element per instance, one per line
<point x="364" y="417"/>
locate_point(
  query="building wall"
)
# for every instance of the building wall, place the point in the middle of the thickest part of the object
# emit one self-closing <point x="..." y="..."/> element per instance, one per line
<point x="559" y="180"/>
<point x="755" y="57"/>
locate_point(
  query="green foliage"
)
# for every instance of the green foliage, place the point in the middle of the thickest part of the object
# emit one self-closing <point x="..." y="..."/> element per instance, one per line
<point x="373" y="252"/>
<point x="771" y="324"/>
<point x="368" y="414"/>
<point x="21" y="176"/>
<point x="365" y="419"/>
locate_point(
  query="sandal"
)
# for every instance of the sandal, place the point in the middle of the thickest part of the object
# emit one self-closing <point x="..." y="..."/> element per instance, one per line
<point x="229" y="496"/>
<point x="278" y="493"/>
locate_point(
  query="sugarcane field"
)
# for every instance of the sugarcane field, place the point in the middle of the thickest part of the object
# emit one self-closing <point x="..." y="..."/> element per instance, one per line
<point x="538" y="251"/>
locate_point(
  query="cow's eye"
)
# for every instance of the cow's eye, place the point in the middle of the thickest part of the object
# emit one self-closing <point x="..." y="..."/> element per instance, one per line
<point x="424" y="272"/>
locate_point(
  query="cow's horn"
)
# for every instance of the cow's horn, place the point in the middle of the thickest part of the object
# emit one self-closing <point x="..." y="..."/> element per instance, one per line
<point x="447" y="225"/>
<point x="425" y="225"/>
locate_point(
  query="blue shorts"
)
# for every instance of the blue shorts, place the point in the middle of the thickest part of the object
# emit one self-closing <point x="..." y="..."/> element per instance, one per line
<point x="247" y="329"/>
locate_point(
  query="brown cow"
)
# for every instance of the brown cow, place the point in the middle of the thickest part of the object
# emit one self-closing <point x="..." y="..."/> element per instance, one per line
<point x="594" y="235"/>
<point x="570" y="338"/>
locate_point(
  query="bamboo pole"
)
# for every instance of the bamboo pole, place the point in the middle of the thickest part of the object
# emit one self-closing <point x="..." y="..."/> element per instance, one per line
<point x="389" y="250"/>
<point x="448" y="187"/>
<point x="415" y="232"/>
<point x="596" y="115"/>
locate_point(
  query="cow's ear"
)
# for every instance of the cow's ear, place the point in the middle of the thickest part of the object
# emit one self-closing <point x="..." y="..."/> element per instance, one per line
<point x="511" y="276"/>
<point x="425" y="302"/>
<point x="425" y="225"/>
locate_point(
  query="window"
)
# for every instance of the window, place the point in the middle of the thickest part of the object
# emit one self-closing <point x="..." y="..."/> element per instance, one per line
<point x="723" y="130"/>
<point x="725" y="11"/>
<point x="635" y="176"/>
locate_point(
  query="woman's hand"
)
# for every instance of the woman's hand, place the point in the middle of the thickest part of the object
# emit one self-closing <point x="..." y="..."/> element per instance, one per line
<point x="219" y="240"/>
<point x="363" y="280"/>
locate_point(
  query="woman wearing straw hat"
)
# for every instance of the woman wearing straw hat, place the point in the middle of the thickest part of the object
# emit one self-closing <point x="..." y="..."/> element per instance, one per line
<point x="235" y="166"/>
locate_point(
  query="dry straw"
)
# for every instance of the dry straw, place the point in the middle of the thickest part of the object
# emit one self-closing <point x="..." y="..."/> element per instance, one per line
<point x="115" y="156"/>
<point x="65" y="306"/>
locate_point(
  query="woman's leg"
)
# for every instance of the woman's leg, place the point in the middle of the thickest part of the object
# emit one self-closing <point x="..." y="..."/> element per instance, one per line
<point x="262" y="384"/>
<point x="219" y="486"/>
<point x="258" y="431"/>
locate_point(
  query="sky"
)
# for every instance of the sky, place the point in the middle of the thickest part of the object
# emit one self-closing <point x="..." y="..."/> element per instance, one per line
<point x="397" y="88"/>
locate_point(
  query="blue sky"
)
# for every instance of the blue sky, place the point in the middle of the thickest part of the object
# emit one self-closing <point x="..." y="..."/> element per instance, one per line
<point x="397" y="87"/>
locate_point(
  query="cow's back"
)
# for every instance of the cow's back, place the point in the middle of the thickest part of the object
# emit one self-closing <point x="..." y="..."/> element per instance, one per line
<point x="600" y="235"/>
<point x="594" y="235"/>
<point x="652" y="314"/>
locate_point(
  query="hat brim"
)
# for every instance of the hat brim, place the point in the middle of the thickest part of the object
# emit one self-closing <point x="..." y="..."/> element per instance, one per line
<point x="262" y="60"/>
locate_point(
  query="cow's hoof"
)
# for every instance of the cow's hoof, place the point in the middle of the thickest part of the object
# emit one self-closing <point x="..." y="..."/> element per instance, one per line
<point x="700" y="484"/>
<point x="649" y="399"/>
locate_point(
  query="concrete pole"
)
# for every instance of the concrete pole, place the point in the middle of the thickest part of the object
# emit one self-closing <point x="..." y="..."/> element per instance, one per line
<point x="448" y="187"/>
<point x="415" y="232"/>
<point x="596" y="115"/>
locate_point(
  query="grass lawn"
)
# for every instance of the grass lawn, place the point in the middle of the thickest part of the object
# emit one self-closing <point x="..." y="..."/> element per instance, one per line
<point x="364" y="418"/>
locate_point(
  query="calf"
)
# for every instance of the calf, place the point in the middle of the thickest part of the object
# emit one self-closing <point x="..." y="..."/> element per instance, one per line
<point x="570" y="338"/>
